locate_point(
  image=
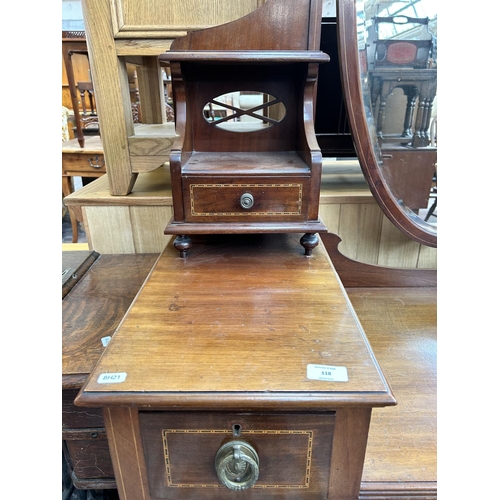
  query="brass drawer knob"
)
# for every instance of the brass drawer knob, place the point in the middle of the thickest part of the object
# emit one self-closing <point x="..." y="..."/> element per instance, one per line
<point x="246" y="201"/>
<point x="237" y="465"/>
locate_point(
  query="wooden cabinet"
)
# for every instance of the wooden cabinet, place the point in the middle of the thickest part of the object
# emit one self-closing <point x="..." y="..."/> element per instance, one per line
<point x="256" y="168"/>
<point x="397" y="464"/>
<point x="246" y="340"/>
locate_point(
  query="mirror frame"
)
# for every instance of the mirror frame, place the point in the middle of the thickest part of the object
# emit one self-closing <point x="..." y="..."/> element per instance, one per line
<point x="397" y="212"/>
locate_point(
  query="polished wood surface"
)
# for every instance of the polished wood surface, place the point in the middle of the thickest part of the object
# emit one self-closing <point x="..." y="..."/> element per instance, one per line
<point x="98" y="292"/>
<point x="400" y="322"/>
<point x="398" y="310"/>
<point x="74" y="266"/>
<point x="401" y="456"/>
<point x="257" y="280"/>
<point x="94" y="308"/>
<point x="355" y="274"/>
<point x="273" y="51"/>
<point x="244" y="348"/>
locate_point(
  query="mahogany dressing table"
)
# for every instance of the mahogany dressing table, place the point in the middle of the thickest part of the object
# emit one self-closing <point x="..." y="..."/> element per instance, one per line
<point x="247" y="342"/>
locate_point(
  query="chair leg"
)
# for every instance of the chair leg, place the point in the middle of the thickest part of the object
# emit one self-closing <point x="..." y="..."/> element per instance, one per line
<point x="431" y="210"/>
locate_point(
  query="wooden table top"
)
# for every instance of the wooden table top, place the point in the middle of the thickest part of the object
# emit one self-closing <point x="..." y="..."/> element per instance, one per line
<point x="401" y="326"/>
<point x="236" y="324"/>
<point x="94" y="307"/>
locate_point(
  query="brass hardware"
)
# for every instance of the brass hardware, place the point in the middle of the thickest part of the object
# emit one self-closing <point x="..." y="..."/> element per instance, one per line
<point x="246" y="200"/>
<point x="99" y="162"/>
<point x="237" y="465"/>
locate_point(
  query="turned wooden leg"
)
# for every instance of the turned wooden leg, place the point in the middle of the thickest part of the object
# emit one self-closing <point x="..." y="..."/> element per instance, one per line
<point x="309" y="241"/>
<point x="183" y="244"/>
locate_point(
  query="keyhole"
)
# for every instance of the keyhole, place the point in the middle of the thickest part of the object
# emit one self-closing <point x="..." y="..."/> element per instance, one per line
<point x="236" y="430"/>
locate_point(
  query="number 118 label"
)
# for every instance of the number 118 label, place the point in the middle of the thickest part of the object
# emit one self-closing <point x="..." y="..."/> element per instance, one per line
<point x="327" y="373"/>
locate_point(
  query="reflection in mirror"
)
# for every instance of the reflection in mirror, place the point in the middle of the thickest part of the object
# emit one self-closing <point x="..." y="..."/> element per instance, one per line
<point x="398" y="66"/>
<point x="244" y="111"/>
<point x="395" y="83"/>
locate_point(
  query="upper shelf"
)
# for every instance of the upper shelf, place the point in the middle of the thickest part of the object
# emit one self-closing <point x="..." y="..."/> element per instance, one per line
<point x="251" y="56"/>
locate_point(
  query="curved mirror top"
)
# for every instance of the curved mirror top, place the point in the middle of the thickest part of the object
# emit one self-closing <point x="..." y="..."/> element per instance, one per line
<point x="397" y="68"/>
<point x="244" y="111"/>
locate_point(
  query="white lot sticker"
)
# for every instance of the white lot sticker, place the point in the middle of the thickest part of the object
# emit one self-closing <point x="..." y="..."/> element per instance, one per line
<point x="327" y="373"/>
<point x="111" y="378"/>
<point x="105" y="341"/>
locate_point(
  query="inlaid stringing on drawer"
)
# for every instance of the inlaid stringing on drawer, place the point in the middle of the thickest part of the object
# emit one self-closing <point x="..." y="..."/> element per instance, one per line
<point x="224" y="433"/>
<point x="297" y="198"/>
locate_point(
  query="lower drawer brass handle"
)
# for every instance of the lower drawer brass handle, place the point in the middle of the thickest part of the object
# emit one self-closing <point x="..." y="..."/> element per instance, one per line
<point x="246" y="200"/>
<point x="237" y="465"/>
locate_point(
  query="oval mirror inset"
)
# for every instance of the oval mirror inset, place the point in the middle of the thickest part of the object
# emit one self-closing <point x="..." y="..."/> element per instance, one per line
<point x="244" y="111"/>
<point x="389" y="73"/>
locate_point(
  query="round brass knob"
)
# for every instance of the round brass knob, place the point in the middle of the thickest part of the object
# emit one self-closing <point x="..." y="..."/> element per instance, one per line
<point x="237" y="465"/>
<point x="246" y="201"/>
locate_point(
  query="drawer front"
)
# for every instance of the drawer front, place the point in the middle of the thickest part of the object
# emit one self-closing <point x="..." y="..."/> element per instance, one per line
<point x="293" y="452"/>
<point x="74" y="417"/>
<point x="80" y="163"/>
<point x="246" y="201"/>
<point x="89" y="455"/>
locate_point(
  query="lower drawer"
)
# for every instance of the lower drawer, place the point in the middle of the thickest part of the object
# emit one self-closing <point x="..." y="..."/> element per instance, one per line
<point x="88" y="452"/>
<point x="242" y="200"/>
<point x="292" y="452"/>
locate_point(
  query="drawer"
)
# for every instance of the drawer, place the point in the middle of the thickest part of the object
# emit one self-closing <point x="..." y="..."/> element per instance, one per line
<point x="83" y="163"/>
<point x="74" y="417"/>
<point x="293" y="453"/>
<point x="88" y="453"/>
<point x="245" y="201"/>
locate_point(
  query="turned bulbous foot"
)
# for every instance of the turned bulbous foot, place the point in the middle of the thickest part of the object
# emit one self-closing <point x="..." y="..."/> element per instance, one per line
<point x="309" y="241"/>
<point x="182" y="243"/>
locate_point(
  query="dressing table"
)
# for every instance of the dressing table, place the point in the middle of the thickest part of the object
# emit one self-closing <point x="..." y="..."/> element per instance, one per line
<point x="211" y="386"/>
<point x="247" y="342"/>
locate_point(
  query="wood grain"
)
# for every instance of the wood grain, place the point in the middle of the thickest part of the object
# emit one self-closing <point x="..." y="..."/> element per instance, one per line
<point x="358" y="274"/>
<point x="95" y="307"/>
<point x="110" y="79"/>
<point x="155" y="17"/>
<point x="401" y="326"/>
<point x="252" y="301"/>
